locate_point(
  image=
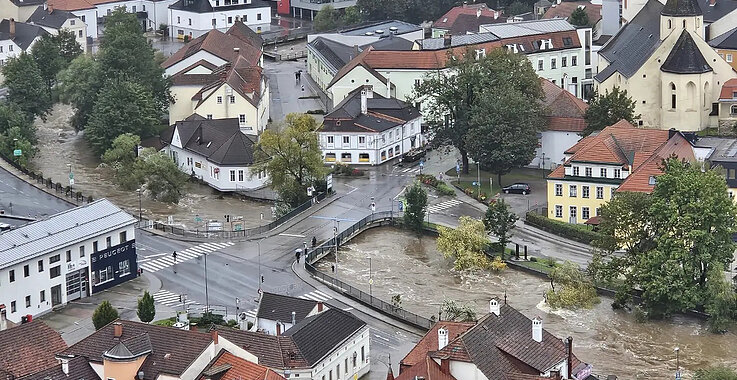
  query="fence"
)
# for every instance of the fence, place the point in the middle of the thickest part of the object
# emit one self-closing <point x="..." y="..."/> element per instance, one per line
<point x="248" y="232"/>
<point x="66" y="191"/>
<point x="373" y="220"/>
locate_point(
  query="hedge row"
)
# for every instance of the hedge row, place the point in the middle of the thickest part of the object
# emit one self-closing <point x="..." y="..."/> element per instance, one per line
<point x="566" y="230"/>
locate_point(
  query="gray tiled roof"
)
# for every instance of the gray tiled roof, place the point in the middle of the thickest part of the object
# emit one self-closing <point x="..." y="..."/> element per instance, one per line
<point x="347" y="116"/>
<point x="218" y="140"/>
<point x="59" y="230"/>
<point x="685" y="57"/>
<point x="53" y="20"/>
<point x="461" y="40"/>
<point x="318" y="335"/>
<point x="335" y="53"/>
<point x="277" y="307"/>
<point x="628" y="50"/>
<point x="716" y="11"/>
<point x="680" y="8"/>
<point x="726" y="40"/>
<point x="24" y="33"/>
<point x="528" y="28"/>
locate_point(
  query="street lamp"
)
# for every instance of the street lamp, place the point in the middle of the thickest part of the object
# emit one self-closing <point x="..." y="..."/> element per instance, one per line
<point x="207" y="297"/>
<point x="71" y="179"/>
<point x="140" y="191"/>
<point x="258" y="242"/>
<point x="335" y="242"/>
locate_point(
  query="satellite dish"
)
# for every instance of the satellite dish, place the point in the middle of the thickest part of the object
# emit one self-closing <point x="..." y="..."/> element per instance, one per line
<point x="242" y="316"/>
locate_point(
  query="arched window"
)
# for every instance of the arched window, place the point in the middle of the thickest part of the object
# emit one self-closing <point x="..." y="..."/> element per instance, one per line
<point x="669" y="24"/>
<point x="672" y="96"/>
<point x="733" y="110"/>
<point x="692" y="98"/>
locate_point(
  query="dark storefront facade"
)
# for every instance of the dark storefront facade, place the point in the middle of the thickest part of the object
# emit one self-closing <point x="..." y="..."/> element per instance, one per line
<point x="114" y="265"/>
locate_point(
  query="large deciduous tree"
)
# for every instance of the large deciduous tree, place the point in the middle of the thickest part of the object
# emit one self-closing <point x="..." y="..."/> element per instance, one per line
<point x="78" y="85"/>
<point x="162" y="178"/>
<point x="677" y="242"/>
<point x="605" y="110"/>
<point x="570" y="288"/>
<point x="16" y="132"/>
<point x="414" y="214"/>
<point x="327" y="18"/>
<point x="26" y="86"/>
<point x="122" y="107"/>
<point x="466" y="244"/>
<point x="499" y="220"/>
<point x="291" y="157"/>
<point x="54" y="53"/>
<point x="121" y="158"/>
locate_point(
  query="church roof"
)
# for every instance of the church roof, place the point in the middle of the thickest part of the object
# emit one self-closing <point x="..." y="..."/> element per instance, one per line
<point x="685" y="57"/>
<point x="681" y="8"/>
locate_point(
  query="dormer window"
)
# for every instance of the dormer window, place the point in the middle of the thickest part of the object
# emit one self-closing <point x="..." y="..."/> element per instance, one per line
<point x="480" y="53"/>
<point x="651" y="180"/>
<point x="575" y="171"/>
<point x="567" y="41"/>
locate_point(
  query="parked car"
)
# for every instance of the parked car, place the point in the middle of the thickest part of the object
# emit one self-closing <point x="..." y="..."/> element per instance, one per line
<point x="413" y="155"/>
<point x="5" y="227"/>
<point x="518" y="188"/>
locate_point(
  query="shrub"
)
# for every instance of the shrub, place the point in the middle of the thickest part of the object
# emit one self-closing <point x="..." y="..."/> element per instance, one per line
<point x="428" y="179"/>
<point x="104" y="314"/>
<point x="533" y="259"/>
<point x="571" y="231"/>
<point x="444" y="189"/>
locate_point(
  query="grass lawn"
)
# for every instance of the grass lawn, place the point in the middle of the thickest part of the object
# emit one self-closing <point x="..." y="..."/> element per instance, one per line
<point x="535" y="177"/>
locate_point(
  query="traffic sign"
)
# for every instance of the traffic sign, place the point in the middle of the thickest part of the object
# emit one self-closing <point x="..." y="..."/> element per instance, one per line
<point x="458" y="168"/>
<point x="17" y="152"/>
<point x="371" y="281"/>
<point x="71" y="175"/>
<point x="401" y="206"/>
<point x="71" y="181"/>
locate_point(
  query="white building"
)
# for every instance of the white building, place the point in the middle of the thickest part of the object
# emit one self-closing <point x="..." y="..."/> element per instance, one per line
<point x="18" y="10"/>
<point x="277" y="313"/>
<point x="215" y="151"/>
<point x="72" y="254"/>
<point x="369" y="129"/>
<point x="53" y="20"/>
<point x="15" y="38"/>
<point x="194" y="18"/>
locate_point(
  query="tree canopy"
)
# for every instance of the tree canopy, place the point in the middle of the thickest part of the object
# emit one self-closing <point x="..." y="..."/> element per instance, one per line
<point x="605" y="110"/>
<point x="104" y="314"/>
<point x="414" y="11"/>
<point x="570" y="288"/>
<point x="326" y="19"/>
<point x="16" y="132"/>
<point x="499" y="220"/>
<point x="78" y="85"/>
<point x="146" y="310"/>
<point x="291" y="157"/>
<point x="414" y="214"/>
<point x="26" y="86"/>
<point x="715" y="373"/>
<point x="452" y="311"/>
<point x="54" y="53"/>
<point x="677" y="241"/>
<point x="465" y="243"/>
<point x="579" y="17"/>
<point x="162" y="178"/>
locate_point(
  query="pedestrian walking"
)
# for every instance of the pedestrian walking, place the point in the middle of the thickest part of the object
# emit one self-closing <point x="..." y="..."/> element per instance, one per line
<point x="314" y="242"/>
<point x="297" y="253"/>
<point x="174" y="256"/>
<point x="303" y="88"/>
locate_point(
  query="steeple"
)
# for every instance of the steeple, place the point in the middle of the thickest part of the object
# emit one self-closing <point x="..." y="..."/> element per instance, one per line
<point x="677" y="15"/>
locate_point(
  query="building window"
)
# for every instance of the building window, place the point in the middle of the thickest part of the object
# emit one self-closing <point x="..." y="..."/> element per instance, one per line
<point x="540" y="65"/>
<point x="83" y="18"/>
<point x="55" y="272"/>
<point x="240" y="175"/>
<point x="651" y="181"/>
<point x="245" y="18"/>
<point x="105" y="275"/>
<point x="480" y="53"/>
<point x="602" y="172"/>
<point x="69" y="255"/>
<point x="575" y="170"/>
<point x="362" y="139"/>
<point x="418" y="82"/>
<point x="108" y="242"/>
<point x="346" y="139"/>
<point x="230" y="20"/>
<point x="585" y="212"/>
<point x="209" y="116"/>
<point x="72" y="22"/>
<point x="42" y="296"/>
<point x="10" y="47"/>
<point x="179" y="20"/>
<point x="552" y="63"/>
<point x="232" y="99"/>
<point x="558" y="189"/>
<point x="345" y="157"/>
<point x="242" y="118"/>
<point x="572" y="190"/>
<point x="134" y="9"/>
<point x="11" y="275"/>
<point x="563" y="61"/>
<point x="79" y="32"/>
<point x="599" y="192"/>
<point x="363" y="355"/>
<point x="598" y="211"/>
<point x="54" y="259"/>
<point x="124" y="268"/>
<point x="81" y="251"/>
<point x="617" y="173"/>
<point x="672" y="96"/>
<point x="558" y="211"/>
<point x="232" y="176"/>
<point x="337" y="371"/>
<point x="28" y="301"/>
<point x="574" y="60"/>
<point x="258" y="16"/>
<point x="219" y="100"/>
<point x="587" y="172"/>
<point x="94" y="246"/>
<point x="584" y="191"/>
<point x="729" y="58"/>
<point x="612" y="192"/>
<point x="40" y="265"/>
<point x="26" y="271"/>
<point x="12" y="306"/>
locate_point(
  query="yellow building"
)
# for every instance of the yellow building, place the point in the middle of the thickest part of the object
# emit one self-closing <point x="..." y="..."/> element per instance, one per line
<point x="619" y="158"/>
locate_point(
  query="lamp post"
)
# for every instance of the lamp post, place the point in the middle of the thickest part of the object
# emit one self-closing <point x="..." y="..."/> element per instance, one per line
<point x="478" y="178"/>
<point x="335" y="242"/>
<point x="678" y="361"/>
<point x="207" y="297"/>
<point x="71" y="180"/>
<point x="140" y="213"/>
<point x="258" y="243"/>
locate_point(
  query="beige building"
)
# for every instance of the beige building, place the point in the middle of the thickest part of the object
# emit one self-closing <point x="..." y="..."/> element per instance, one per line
<point x="19" y="10"/>
<point x="53" y="20"/>
<point x="666" y="66"/>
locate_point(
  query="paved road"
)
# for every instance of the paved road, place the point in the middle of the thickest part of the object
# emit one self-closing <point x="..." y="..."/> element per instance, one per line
<point x="19" y="198"/>
<point x="286" y="92"/>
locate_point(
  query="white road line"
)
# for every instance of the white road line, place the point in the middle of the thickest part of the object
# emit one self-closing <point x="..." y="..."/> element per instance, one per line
<point x="210" y="246"/>
<point x="317" y="292"/>
<point x="149" y="268"/>
<point x="353" y="187"/>
<point x="166" y="260"/>
<point x="187" y="254"/>
<point x="199" y="250"/>
<point x="157" y="265"/>
<point x="292" y="235"/>
<point x="221" y="245"/>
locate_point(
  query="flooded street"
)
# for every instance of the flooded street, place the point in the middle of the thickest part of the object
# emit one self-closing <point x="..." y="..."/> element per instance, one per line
<point x="610" y="340"/>
<point x="59" y="145"/>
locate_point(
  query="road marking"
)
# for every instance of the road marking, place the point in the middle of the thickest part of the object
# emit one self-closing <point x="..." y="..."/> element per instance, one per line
<point x="166" y="260"/>
<point x="443" y="205"/>
<point x="171" y="299"/>
<point x="155" y="255"/>
<point x="316" y="295"/>
<point x="353" y="187"/>
<point x="291" y="235"/>
<point x="381" y="337"/>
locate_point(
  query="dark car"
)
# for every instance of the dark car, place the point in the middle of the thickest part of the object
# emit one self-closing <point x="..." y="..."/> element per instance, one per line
<point x="518" y="188"/>
<point x="413" y="155"/>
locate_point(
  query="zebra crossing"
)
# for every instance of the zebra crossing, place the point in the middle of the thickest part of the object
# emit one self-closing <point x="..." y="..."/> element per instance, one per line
<point x="170" y="299"/>
<point x="190" y="253"/>
<point x="403" y="172"/>
<point x="435" y="209"/>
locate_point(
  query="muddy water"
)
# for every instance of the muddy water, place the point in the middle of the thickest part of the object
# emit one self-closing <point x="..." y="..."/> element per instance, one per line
<point x="59" y="145"/>
<point x="611" y="340"/>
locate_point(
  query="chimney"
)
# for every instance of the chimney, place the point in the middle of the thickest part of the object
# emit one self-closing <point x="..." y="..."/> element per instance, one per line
<point x="364" y="100"/>
<point x="672" y="132"/>
<point x="555" y="375"/>
<point x="447" y="40"/>
<point x="236" y="50"/>
<point x="319" y="307"/>
<point x="278" y="328"/>
<point x="64" y="360"/>
<point x="478" y="12"/>
<point x="569" y="345"/>
<point x="3" y="318"/>
<point x="442" y="338"/>
<point x="12" y="28"/>
<point x="214" y="335"/>
<point x="496" y="15"/>
<point x="537" y="329"/>
<point x="494" y="306"/>
<point x="117" y="329"/>
<point x="390" y="373"/>
<point x="294" y="318"/>
<point x="445" y="366"/>
<point x="355" y="50"/>
<point x="388" y="87"/>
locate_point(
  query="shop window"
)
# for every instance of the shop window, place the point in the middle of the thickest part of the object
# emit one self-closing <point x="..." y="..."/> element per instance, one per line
<point x="345" y="157"/>
<point x="330" y="157"/>
<point x="363" y="157"/>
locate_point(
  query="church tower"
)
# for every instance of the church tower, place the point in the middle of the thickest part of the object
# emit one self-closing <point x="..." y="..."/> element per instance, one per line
<point x="678" y="15"/>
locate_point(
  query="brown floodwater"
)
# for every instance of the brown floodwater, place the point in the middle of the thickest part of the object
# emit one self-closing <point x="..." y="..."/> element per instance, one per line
<point x="59" y="145"/>
<point x="610" y="340"/>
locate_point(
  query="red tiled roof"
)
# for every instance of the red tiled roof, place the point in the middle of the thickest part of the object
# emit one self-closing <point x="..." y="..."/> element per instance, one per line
<point x="728" y="89"/>
<point x="639" y="180"/>
<point x="447" y="20"/>
<point x="29" y="348"/>
<point x="71" y="5"/>
<point x="427" y="369"/>
<point x="565" y="8"/>
<point x="565" y="111"/>
<point x="221" y="45"/>
<point x="238" y="369"/>
<point x="566" y="124"/>
<point x="241" y="76"/>
<point x="429" y="342"/>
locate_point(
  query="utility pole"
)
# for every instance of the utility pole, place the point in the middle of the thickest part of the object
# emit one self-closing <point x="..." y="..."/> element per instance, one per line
<point x="258" y="242"/>
<point x="207" y="297"/>
<point x="478" y="178"/>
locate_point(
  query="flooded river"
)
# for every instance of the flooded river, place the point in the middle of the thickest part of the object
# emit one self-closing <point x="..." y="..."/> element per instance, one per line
<point x="610" y="340"/>
<point x="59" y="145"/>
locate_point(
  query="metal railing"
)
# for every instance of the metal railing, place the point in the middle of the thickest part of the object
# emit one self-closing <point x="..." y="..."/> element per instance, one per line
<point x="387" y="308"/>
<point x="66" y="191"/>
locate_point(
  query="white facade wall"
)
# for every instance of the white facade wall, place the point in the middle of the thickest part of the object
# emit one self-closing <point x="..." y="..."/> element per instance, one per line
<point x="193" y="24"/>
<point x="552" y="145"/>
<point x="156" y="11"/>
<point x="466" y="371"/>
<point x="357" y="345"/>
<point x="76" y="26"/>
<point x="89" y="18"/>
<point x="192" y="59"/>
<point x="8" y="49"/>
<point x="218" y="177"/>
<point x="13" y="294"/>
<point x="376" y="148"/>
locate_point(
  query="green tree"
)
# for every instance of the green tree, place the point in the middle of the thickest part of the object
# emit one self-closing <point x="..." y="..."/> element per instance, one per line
<point x="121" y="157"/>
<point x="326" y="19"/>
<point x="677" y="244"/>
<point x="146" y="308"/>
<point x="291" y="157"/>
<point x="721" y="305"/>
<point x="79" y="85"/>
<point x="605" y="110"/>
<point x="351" y="16"/>
<point x="579" y="17"/>
<point x="162" y="178"/>
<point x="104" y="314"/>
<point x="26" y="86"/>
<point x="414" y="213"/>
<point x="451" y="311"/>
<point x="466" y="243"/>
<point x="715" y="373"/>
<point x="574" y="290"/>
<point x="517" y="8"/>
<point x="16" y="132"/>
<point x="53" y="53"/>
<point x="121" y="107"/>
<point x="499" y="221"/>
